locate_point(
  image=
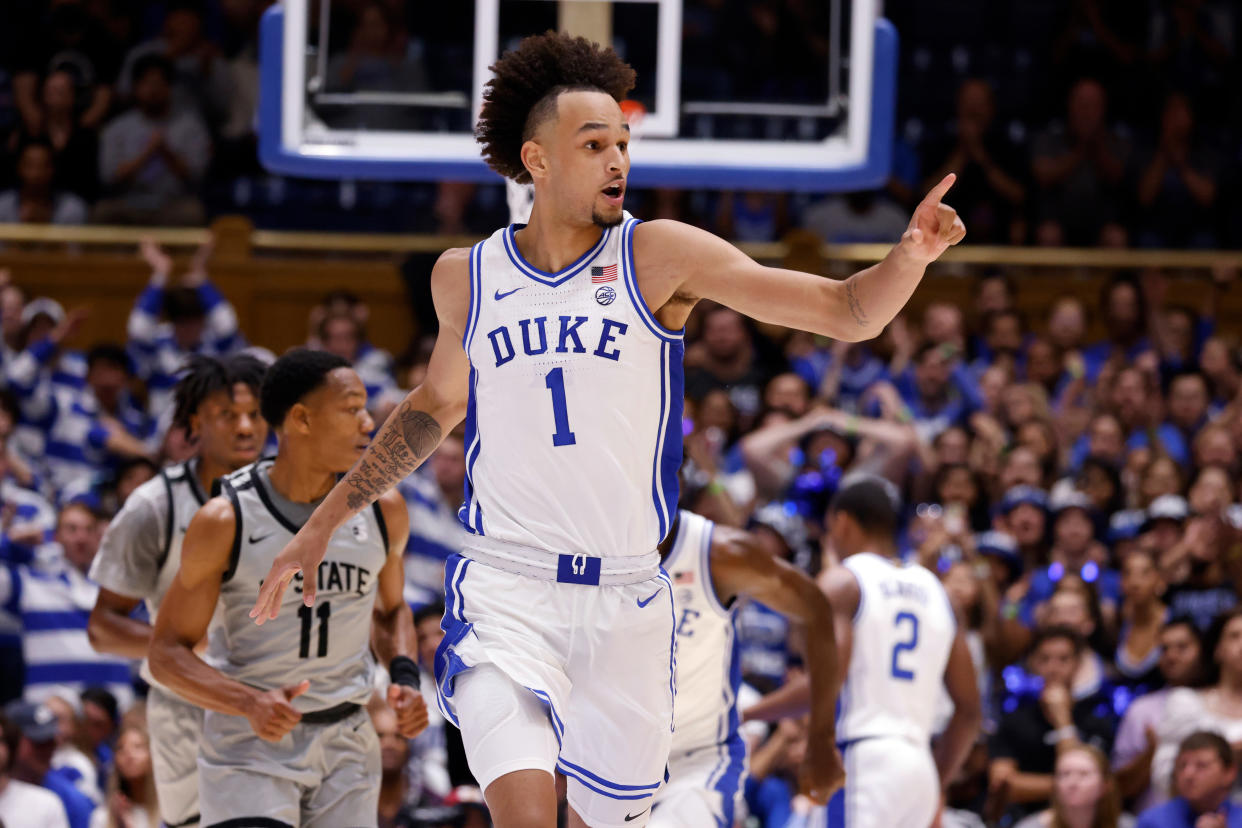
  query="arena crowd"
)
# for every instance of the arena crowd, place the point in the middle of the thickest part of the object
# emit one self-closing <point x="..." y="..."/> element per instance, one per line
<point x="1078" y="497"/>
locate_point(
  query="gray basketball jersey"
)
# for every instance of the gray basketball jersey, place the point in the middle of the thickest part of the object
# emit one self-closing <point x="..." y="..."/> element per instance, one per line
<point x="141" y="550"/>
<point x="330" y="643"/>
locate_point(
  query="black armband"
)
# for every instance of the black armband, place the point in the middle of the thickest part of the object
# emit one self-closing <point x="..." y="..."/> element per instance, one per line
<point x="403" y="670"/>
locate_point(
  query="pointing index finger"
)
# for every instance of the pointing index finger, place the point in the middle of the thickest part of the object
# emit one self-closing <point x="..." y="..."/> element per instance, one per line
<point x="937" y="193"/>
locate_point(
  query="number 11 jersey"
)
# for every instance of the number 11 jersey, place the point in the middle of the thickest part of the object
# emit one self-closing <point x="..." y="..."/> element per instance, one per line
<point x="903" y="631"/>
<point x="328" y="644"/>
<point x="573" y="428"/>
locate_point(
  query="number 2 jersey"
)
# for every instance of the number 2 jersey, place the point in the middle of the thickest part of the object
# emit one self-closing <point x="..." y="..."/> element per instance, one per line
<point x="903" y="632"/>
<point x="573" y="427"/>
<point x="329" y="643"/>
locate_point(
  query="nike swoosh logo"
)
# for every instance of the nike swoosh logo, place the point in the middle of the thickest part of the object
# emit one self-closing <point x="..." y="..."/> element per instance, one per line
<point x="260" y="538"/>
<point x="500" y="295"/>
<point x="643" y="603"/>
<point x="629" y="817"/>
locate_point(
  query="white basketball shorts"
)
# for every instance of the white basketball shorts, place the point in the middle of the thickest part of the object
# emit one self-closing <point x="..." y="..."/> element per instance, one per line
<point x="592" y="667"/>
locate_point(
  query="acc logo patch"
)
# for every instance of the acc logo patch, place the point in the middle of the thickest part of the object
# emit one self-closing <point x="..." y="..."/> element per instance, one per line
<point x="605" y="295"/>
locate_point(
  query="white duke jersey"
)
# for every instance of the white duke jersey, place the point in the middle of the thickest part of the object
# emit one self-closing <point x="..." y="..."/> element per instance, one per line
<point x="903" y="631"/>
<point x="330" y="643"/>
<point x="708" y="664"/>
<point x="141" y="549"/>
<point x="573" y="428"/>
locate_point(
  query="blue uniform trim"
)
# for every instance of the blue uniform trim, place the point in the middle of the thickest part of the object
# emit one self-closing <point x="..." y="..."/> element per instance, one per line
<point x="729" y="783"/>
<point x="601" y="781"/>
<point x="636" y="295"/>
<point x="667" y="461"/>
<point x="558" y="727"/>
<point x="448" y="664"/>
<point x="470" y="515"/>
<point x="476" y="296"/>
<point x="590" y="786"/>
<point x="709" y="587"/>
<point x="672" y="644"/>
<point x="578" y="569"/>
<point x="542" y="276"/>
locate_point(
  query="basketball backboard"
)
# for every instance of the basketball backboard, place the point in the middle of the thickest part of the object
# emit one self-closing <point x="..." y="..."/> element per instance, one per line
<point x="328" y="110"/>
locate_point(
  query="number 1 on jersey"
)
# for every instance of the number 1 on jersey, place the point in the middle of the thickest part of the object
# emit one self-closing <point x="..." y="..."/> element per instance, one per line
<point x="555" y="381"/>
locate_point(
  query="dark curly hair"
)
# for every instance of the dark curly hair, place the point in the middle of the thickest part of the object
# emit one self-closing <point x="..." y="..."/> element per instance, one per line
<point x="205" y="375"/>
<point x="525" y="84"/>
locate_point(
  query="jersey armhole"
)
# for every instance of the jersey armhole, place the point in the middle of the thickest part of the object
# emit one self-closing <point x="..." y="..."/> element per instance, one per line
<point x="383" y="526"/>
<point x="475" y="306"/>
<point x="862" y="595"/>
<point x="709" y="587"/>
<point x="171" y="518"/>
<point x="636" y="295"/>
<point x="235" y="552"/>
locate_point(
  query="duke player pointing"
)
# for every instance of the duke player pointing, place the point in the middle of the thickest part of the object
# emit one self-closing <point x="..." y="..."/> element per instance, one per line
<point x="560" y="343"/>
<point x="898" y="638"/>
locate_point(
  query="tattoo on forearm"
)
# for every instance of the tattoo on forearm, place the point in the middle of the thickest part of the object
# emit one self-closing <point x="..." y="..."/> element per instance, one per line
<point x="403" y="443"/>
<point x="851" y="298"/>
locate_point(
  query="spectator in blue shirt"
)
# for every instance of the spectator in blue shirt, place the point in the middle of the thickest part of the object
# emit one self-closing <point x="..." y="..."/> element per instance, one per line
<point x="938" y="390"/>
<point x="1203" y="777"/>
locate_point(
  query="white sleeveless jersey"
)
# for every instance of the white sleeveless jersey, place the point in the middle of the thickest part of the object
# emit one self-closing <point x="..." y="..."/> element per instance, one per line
<point x="708" y="666"/>
<point x="573" y="428"/>
<point x="140" y="553"/>
<point x="329" y="643"/>
<point x="903" y="631"/>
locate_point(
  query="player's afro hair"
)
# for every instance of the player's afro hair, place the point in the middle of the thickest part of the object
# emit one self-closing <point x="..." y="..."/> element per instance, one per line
<point x="206" y="375"/>
<point x="291" y="378"/>
<point x="524" y="88"/>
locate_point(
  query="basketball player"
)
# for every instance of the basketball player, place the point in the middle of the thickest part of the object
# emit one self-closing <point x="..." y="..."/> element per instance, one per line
<point x="217" y="402"/>
<point x="710" y="567"/>
<point x="560" y="343"/>
<point x="286" y="740"/>
<point x="897" y="633"/>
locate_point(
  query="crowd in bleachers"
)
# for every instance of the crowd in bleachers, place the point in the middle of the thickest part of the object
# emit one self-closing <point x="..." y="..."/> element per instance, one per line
<point x="1075" y="122"/>
<point x="1078" y="498"/>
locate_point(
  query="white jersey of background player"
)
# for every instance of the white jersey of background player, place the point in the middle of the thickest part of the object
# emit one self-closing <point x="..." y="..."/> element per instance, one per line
<point x="560" y="342"/>
<point x="898" y="636"/>
<point x="217" y="402"/>
<point x="710" y="566"/>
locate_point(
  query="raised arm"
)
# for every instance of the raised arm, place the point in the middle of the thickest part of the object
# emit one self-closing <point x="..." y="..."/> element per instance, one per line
<point x="740" y="567"/>
<point x="205" y="556"/>
<point x="407" y="438"/>
<point x="393" y="637"/>
<point x="683" y="264"/>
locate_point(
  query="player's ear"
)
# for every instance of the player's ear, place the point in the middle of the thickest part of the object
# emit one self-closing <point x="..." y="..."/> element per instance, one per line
<point x="535" y="159"/>
<point x="298" y="419"/>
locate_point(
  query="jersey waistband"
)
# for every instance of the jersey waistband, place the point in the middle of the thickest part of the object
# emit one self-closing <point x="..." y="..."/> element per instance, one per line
<point x="331" y="715"/>
<point x="568" y="568"/>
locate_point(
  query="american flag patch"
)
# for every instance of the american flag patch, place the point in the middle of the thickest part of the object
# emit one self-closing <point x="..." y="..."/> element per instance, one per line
<point x="607" y="273"/>
<point x="684" y="578"/>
